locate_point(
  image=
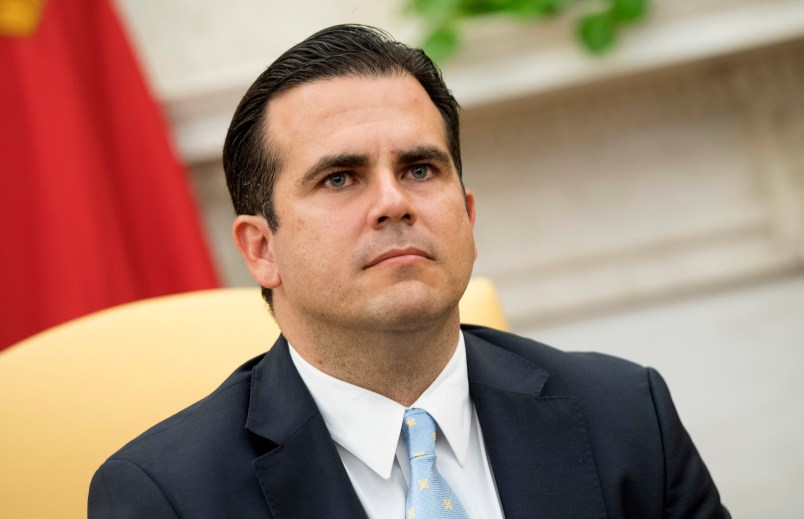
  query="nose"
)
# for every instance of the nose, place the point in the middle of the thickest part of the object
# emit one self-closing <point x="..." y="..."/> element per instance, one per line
<point x="391" y="202"/>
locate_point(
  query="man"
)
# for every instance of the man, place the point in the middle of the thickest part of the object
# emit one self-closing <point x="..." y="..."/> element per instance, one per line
<point x="343" y="162"/>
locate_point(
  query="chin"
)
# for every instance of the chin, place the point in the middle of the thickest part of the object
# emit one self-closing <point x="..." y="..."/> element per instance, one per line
<point x="413" y="309"/>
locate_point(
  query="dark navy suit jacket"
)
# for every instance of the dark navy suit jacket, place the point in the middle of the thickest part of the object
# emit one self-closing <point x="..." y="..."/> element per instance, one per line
<point x="568" y="435"/>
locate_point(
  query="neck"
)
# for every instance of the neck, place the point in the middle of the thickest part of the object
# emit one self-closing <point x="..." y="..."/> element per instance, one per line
<point x="398" y="364"/>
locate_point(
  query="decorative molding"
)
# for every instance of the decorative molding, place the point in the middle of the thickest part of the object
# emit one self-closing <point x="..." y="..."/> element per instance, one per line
<point x="773" y="103"/>
<point x="199" y="122"/>
<point x="628" y="277"/>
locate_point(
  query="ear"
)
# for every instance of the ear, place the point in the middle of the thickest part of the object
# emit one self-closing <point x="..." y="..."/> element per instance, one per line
<point x="470" y="206"/>
<point x="470" y="209"/>
<point x="254" y="239"/>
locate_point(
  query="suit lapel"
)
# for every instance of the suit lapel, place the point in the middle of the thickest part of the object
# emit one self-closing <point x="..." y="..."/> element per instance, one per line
<point x="537" y="444"/>
<point x="302" y="474"/>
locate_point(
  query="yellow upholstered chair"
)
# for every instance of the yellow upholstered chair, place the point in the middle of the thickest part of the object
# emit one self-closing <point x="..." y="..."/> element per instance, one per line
<point x="74" y="394"/>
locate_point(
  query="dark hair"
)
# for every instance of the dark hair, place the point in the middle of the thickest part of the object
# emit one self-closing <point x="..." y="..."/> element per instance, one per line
<point x="251" y="163"/>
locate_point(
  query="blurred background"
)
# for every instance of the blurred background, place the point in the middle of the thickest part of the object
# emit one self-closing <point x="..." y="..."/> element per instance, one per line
<point x="646" y="202"/>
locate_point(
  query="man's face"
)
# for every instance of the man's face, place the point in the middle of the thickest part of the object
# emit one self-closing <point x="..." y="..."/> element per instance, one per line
<point x="374" y="230"/>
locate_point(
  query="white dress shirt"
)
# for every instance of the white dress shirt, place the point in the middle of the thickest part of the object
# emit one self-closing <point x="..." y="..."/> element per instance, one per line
<point x="367" y="430"/>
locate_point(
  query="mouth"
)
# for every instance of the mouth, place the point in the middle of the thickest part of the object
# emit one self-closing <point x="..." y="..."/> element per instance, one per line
<point x="402" y="256"/>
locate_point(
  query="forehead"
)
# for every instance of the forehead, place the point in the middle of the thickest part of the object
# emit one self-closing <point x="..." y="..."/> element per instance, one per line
<point x="367" y="115"/>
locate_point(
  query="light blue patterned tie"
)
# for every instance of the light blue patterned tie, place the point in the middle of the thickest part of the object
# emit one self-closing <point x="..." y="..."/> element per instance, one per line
<point x="429" y="495"/>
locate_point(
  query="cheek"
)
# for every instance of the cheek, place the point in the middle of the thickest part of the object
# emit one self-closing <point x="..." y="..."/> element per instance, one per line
<point x="314" y="243"/>
<point x="461" y="230"/>
<point x="453" y="215"/>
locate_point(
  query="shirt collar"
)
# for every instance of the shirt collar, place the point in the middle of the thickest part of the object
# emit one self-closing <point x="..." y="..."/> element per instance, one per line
<point x="368" y="424"/>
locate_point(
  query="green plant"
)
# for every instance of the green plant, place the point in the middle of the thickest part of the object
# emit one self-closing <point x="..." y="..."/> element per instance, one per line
<point x="596" y="30"/>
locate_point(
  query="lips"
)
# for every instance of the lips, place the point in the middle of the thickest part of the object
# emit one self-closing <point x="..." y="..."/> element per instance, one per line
<point x="397" y="253"/>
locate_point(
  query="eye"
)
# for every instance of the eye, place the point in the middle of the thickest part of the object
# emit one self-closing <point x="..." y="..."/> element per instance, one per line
<point x="421" y="172"/>
<point x="338" y="180"/>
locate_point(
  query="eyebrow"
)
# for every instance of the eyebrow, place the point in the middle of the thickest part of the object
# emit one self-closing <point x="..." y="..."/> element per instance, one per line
<point x="356" y="160"/>
<point x="423" y="154"/>
<point x="338" y="161"/>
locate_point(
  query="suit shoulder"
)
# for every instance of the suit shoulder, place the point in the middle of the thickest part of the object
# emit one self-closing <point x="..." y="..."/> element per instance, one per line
<point x="570" y="372"/>
<point x="548" y="356"/>
<point x="205" y="446"/>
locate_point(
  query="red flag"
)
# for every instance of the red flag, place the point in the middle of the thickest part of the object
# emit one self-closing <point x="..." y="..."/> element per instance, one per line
<point x="95" y="209"/>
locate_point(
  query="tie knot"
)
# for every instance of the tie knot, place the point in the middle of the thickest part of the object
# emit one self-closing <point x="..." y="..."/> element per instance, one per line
<point x="420" y="433"/>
